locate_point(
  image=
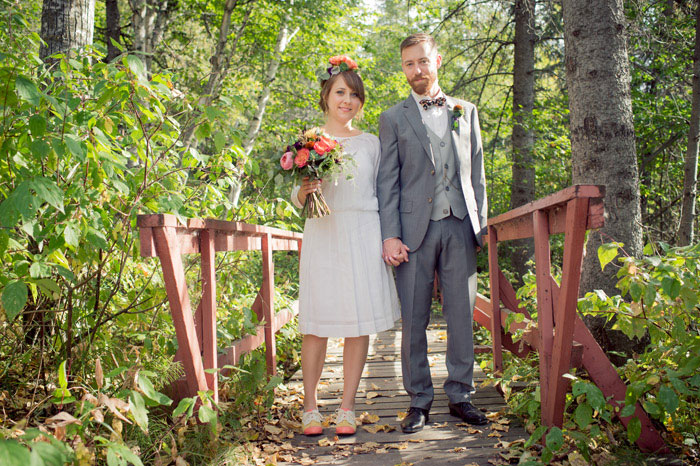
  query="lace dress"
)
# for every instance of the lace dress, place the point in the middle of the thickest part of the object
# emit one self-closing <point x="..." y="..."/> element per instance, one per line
<point x="345" y="288"/>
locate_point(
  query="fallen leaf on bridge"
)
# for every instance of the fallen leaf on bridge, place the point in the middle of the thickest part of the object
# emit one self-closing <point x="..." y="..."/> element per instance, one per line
<point x="324" y="442"/>
<point x="367" y="418"/>
<point x="371" y="395"/>
<point x="373" y="429"/>
<point x="502" y="428"/>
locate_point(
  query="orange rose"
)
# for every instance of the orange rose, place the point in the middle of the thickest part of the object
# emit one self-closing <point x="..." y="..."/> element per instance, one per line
<point x="322" y="146"/>
<point x="331" y="144"/>
<point x="302" y="157"/>
<point x="338" y="59"/>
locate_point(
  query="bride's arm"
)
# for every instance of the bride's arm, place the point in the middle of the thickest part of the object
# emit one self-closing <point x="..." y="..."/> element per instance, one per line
<point x="295" y="197"/>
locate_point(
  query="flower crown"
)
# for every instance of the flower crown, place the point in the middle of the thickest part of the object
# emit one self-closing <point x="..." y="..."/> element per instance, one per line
<point x="339" y="63"/>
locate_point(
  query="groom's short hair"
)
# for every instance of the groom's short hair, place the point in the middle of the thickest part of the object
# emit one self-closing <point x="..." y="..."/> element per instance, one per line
<point x="418" y="38"/>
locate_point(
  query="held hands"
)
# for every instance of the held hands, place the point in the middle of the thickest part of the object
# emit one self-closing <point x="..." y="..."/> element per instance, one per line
<point x="394" y="252"/>
<point x="308" y="186"/>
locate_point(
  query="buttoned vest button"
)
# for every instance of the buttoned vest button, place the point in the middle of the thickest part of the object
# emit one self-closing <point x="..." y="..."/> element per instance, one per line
<point x="442" y="144"/>
<point x="447" y="188"/>
<point x="430" y="200"/>
<point x="432" y="172"/>
<point x="445" y="211"/>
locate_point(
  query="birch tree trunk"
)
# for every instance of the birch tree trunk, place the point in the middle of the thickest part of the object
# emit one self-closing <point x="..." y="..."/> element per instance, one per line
<point x="65" y="25"/>
<point x="283" y="38"/>
<point x="686" y="231"/>
<point x="113" y="29"/>
<point x="220" y="61"/>
<point x="148" y="21"/>
<point x="602" y="138"/>
<point x="523" y="171"/>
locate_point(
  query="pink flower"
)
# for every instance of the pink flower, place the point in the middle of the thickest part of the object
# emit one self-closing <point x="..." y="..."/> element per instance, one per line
<point x="302" y="157"/>
<point x="287" y="161"/>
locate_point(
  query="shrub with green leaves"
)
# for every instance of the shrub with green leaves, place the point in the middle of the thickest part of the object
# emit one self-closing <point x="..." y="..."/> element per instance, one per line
<point x="659" y="295"/>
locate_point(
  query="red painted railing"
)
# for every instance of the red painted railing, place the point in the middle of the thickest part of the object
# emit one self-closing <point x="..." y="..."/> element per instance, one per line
<point x="163" y="236"/>
<point x="559" y="335"/>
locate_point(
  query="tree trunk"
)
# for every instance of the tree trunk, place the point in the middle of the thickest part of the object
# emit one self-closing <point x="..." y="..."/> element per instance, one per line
<point x="148" y="20"/>
<point x="219" y="65"/>
<point x="65" y="25"/>
<point x="686" y="232"/>
<point x="523" y="174"/>
<point x="283" y="38"/>
<point x="602" y="139"/>
<point x="113" y="32"/>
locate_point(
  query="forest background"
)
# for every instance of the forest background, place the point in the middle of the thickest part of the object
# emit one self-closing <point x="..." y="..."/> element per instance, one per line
<point x="184" y="107"/>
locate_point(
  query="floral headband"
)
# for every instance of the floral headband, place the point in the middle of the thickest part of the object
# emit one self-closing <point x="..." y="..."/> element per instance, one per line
<point x="339" y="63"/>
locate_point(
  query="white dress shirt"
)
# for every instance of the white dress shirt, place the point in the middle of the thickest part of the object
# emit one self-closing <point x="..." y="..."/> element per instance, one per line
<point x="435" y="117"/>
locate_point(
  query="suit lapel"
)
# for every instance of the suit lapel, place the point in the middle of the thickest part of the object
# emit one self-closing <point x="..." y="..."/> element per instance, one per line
<point x="413" y="116"/>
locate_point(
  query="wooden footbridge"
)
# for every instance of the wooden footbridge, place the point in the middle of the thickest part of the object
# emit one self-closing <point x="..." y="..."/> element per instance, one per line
<point x="558" y="333"/>
<point x="381" y="401"/>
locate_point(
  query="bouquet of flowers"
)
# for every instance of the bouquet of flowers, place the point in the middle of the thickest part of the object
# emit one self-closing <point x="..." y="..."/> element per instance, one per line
<point x="316" y="155"/>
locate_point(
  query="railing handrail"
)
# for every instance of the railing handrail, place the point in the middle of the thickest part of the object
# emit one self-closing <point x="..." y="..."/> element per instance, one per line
<point x="518" y="223"/>
<point x="227" y="226"/>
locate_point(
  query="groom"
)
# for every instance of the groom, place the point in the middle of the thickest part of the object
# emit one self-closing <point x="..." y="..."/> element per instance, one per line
<point x="432" y="208"/>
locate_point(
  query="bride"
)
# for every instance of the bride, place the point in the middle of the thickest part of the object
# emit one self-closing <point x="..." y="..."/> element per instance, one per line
<point x="345" y="288"/>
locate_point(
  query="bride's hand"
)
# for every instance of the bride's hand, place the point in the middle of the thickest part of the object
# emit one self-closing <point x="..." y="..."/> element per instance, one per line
<point x="308" y="186"/>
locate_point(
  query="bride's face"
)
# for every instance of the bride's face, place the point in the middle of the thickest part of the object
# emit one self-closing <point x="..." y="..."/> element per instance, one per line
<point x="343" y="102"/>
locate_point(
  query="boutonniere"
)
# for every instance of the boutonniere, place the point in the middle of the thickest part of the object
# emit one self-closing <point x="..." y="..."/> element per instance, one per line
<point x="457" y="113"/>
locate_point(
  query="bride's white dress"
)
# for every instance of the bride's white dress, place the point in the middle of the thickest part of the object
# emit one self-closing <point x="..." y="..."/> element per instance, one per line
<point x="345" y="288"/>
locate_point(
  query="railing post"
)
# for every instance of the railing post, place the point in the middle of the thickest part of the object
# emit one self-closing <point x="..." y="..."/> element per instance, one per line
<point x="494" y="275"/>
<point x="176" y="287"/>
<point x="267" y="291"/>
<point x="545" y="310"/>
<point x="565" y="318"/>
<point x="208" y="308"/>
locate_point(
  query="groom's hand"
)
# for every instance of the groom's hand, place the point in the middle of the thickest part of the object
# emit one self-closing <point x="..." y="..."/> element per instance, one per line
<point x="394" y="252"/>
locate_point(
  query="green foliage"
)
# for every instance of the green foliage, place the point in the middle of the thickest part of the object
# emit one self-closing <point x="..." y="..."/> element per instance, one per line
<point x="659" y="295"/>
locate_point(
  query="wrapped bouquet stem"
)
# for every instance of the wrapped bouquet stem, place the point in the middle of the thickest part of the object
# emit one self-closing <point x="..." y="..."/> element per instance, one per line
<point x="315" y="205"/>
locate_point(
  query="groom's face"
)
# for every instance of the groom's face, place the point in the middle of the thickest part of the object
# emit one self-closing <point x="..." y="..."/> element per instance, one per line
<point x="420" y="64"/>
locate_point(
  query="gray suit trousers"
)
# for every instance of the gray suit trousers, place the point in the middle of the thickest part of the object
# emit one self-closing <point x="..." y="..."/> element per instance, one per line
<point x="449" y="247"/>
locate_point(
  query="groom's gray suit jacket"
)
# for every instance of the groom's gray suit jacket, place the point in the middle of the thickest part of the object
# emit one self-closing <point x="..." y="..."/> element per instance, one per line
<point x="406" y="178"/>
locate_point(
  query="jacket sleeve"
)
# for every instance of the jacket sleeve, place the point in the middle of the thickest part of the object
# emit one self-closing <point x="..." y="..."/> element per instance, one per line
<point x="478" y="174"/>
<point x="388" y="182"/>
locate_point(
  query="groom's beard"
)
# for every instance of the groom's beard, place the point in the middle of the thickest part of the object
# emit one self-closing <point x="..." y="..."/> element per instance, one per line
<point x="422" y="85"/>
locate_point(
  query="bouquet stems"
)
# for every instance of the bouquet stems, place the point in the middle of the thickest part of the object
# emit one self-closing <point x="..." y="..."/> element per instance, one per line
<point x="315" y="205"/>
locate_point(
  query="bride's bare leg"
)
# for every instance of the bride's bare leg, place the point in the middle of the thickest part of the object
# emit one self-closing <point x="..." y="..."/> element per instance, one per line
<point x="354" y="357"/>
<point x="313" y="355"/>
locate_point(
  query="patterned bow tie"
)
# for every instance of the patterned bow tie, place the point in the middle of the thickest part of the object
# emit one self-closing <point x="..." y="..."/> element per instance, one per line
<point x="427" y="103"/>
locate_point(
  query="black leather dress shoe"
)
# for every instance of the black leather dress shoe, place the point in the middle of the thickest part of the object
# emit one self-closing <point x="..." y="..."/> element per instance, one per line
<point x="468" y="413"/>
<point x="415" y="420"/>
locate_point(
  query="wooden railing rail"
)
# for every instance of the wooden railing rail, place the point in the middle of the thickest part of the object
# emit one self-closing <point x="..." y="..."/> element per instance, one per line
<point x="165" y="237"/>
<point x="559" y="335"/>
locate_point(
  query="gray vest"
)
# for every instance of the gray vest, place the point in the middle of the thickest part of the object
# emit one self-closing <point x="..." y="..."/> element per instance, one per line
<point x="448" y="189"/>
